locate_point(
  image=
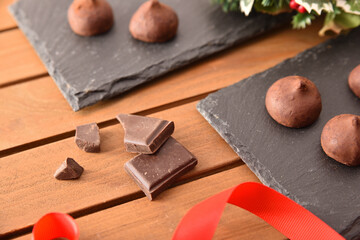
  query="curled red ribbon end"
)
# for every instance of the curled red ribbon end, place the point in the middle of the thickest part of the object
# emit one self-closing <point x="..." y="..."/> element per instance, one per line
<point x="291" y="219"/>
<point x="55" y="225"/>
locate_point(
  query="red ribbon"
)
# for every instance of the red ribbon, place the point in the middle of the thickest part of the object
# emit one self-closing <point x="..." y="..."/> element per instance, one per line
<point x="291" y="219"/>
<point x="55" y="225"/>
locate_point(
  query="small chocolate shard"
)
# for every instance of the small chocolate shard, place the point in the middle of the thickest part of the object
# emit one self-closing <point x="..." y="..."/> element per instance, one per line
<point x="69" y="169"/>
<point x="87" y="137"/>
<point x="155" y="173"/>
<point x="145" y="134"/>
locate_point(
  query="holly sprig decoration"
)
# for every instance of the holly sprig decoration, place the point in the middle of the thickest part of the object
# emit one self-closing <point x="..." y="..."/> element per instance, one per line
<point x="340" y="15"/>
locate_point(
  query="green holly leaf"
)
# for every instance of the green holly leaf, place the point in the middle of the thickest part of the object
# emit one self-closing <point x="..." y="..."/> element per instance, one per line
<point x="354" y="5"/>
<point x="316" y="5"/>
<point x="274" y="8"/>
<point x="266" y="3"/>
<point x="228" y="5"/>
<point x="340" y="22"/>
<point x="349" y="6"/>
<point x="246" y="6"/>
<point x="347" y="20"/>
<point x="301" y="20"/>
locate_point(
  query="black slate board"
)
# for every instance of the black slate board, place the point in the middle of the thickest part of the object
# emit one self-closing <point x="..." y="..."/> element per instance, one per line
<point x="88" y="70"/>
<point x="291" y="160"/>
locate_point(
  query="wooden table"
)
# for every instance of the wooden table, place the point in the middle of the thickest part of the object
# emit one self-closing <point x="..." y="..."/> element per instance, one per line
<point x="37" y="128"/>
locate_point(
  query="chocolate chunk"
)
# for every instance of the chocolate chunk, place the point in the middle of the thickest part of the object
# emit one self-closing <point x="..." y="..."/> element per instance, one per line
<point x="154" y="173"/>
<point x="144" y="134"/>
<point x="88" y="138"/>
<point x="69" y="169"/>
<point x="293" y="101"/>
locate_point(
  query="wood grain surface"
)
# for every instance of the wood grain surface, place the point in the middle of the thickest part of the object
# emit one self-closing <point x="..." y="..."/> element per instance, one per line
<point x="37" y="129"/>
<point x="141" y="219"/>
<point x="20" y="61"/>
<point x="33" y="106"/>
<point x="28" y="176"/>
<point x="6" y="20"/>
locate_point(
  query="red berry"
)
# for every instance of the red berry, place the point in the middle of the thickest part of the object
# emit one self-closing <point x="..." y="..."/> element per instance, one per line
<point x="294" y="5"/>
<point x="301" y="9"/>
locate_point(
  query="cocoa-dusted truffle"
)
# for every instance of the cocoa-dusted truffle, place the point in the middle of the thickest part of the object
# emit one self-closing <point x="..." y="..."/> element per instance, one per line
<point x="340" y="139"/>
<point x="293" y="101"/>
<point x="90" y="17"/>
<point x="354" y="81"/>
<point x="154" y="22"/>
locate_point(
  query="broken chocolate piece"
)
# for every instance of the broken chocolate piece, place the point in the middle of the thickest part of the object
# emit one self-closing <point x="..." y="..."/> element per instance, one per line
<point x="87" y="137"/>
<point x="69" y="169"/>
<point x="145" y="134"/>
<point x="154" y="173"/>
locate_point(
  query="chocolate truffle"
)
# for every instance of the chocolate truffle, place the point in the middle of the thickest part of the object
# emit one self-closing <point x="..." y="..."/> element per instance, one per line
<point x="354" y="81"/>
<point x="340" y="139"/>
<point x="293" y="101"/>
<point x="90" y="17"/>
<point x="154" y="22"/>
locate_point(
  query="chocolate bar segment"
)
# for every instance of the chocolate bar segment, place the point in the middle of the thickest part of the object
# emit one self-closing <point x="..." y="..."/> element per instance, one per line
<point x="69" y="169"/>
<point x="145" y="134"/>
<point x="87" y="137"/>
<point x="154" y="173"/>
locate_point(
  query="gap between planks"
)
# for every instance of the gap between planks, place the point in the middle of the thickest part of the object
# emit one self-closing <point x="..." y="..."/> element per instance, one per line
<point x="126" y="199"/>
<point x="141" y="219"/>
<point x="23" y="80"/>
<point x="33" y="107"/>
<point x="103" y="124"/>
<point x="32" y="66"/>
<point x="104" y="182"/>
<point x="8" y="29"/>
<point x="38" y="70"/>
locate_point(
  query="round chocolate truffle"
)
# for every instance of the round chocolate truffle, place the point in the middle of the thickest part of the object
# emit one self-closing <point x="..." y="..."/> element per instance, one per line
<point x="154" y="22"/>
<point x="90" y="17"/>
<point x="340" y="139"/>
<point x="354" y="81"/>
<point x="293" y="101"/>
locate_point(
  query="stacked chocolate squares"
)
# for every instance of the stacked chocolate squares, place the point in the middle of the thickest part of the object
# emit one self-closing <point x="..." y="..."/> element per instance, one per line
<point x="161" y="159"/>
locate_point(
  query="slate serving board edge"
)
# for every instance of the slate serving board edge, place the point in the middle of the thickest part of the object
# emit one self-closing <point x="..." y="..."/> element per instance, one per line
<point x="79" y="100"/>
<point x="243" y="151"/>
<point x="205" y="106"/>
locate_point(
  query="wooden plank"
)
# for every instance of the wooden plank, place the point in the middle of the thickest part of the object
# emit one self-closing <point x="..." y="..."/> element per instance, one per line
<point x="18" y="59"/>
<point x="29" y="190"/>
<point x="32" y="108"/>
<point x="141" y="219"/>
<point x="14" y="65"/>
<point x="6" y="20"/>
